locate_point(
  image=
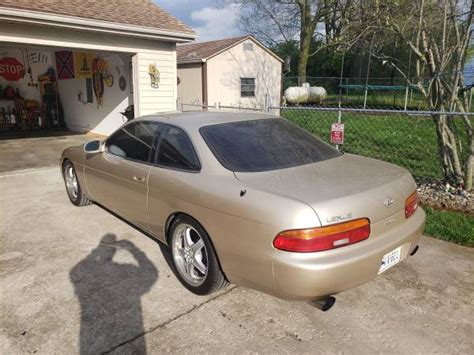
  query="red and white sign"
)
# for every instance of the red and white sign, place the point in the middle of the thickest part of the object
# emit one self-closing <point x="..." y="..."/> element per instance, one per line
<point x="337" y="133"/>
<point x="11" y="69"/>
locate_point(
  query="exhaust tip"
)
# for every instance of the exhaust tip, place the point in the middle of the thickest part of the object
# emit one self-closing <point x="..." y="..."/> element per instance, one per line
<point x="413" y="252"/>
<point x="324" y="304"/>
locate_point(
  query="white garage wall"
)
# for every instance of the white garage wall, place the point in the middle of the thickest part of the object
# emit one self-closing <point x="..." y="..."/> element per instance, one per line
<point x="91" y="117"/>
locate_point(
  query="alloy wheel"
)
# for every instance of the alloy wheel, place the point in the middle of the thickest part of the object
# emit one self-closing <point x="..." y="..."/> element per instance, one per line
<point x="71" y="182"/>
<point x="190" y="254"/>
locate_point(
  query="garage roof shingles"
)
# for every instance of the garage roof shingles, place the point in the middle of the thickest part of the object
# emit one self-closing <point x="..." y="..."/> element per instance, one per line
<point x="203" y="50"/>
<point x="142" y="13"/>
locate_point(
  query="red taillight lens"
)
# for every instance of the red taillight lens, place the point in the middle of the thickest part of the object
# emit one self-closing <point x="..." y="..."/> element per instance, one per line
<point x="323" y="238"/>
<point x="411" y="204"/>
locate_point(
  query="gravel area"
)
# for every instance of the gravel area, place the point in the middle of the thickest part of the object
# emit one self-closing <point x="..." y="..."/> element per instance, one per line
<point x="442" y="195"/>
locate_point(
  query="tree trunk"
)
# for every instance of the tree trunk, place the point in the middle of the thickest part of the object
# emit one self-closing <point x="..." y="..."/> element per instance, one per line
<point x="448" y="149"/>
<point x="308" y="25"/>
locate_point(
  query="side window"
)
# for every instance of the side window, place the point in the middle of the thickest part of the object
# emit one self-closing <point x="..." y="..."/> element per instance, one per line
<point x="134" y="141"/>
<point x="175" y="150"/>
<point x="247" y="87"/>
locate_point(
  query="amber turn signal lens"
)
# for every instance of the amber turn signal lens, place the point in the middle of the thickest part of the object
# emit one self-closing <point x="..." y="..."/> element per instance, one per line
<point x="323" y="238"/>
<point x="411" y="204"/>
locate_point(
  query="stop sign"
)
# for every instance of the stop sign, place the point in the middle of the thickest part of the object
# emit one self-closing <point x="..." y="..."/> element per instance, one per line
<point x="11" y="69"/>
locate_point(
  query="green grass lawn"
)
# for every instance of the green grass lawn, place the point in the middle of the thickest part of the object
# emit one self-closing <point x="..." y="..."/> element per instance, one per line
<point x="451" y="226"/>
<point x="408" y="141"/>
<point x="382" y="100"/>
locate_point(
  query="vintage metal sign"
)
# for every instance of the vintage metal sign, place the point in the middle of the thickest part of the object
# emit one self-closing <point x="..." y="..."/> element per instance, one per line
<point x="11" y="69"/>
<point x="337" y="133"/>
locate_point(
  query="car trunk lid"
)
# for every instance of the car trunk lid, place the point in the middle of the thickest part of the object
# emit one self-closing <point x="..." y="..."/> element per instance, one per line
<point x="339" y="189"/>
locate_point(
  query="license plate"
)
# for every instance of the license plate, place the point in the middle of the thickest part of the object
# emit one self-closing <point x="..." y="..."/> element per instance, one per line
<point x="390" y="259"/>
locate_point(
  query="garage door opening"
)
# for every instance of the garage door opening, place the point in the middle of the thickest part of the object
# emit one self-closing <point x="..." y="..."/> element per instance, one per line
<point x="46" y="90"/>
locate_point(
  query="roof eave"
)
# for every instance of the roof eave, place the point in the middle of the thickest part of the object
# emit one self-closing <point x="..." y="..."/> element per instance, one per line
<point x="63" y="21"/>
<point x="191" y="61"/>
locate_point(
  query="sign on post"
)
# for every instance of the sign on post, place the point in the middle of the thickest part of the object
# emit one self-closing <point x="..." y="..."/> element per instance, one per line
<point x="337" y="133"/>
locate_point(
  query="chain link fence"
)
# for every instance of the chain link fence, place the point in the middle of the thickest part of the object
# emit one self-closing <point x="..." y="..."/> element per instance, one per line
<point x="376" y="93"/>
<point x="405" y="138"/>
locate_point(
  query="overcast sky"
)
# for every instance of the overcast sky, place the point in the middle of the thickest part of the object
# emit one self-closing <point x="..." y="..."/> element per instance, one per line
<point x="204" y="16"/>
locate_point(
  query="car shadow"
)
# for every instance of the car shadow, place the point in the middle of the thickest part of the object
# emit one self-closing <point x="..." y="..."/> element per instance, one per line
<point x="110" y="294"/>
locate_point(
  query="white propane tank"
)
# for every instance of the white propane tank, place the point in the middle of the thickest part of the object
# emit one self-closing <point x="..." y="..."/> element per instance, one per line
<point x="305" y="94"/>
<point x="296" y="95"/>
<point x="317" y="94"/>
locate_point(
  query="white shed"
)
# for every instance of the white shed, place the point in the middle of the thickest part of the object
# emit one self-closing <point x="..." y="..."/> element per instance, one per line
<point x="78" y="64"/>
<point x="236" y="72"/>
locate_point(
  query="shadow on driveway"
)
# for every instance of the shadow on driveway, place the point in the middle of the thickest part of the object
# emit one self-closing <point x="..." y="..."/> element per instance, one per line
<point x="110" y="296"/>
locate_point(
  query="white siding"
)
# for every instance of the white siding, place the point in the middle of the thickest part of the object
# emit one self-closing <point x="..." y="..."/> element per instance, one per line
<point x="149" y="100"/>
<point x="225" y="70"/>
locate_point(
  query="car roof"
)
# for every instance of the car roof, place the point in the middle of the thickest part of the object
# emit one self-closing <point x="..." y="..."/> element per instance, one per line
<point x="196" y="120"/>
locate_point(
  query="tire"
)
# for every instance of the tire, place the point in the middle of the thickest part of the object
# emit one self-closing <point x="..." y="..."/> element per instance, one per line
<point x="193" y="258"/>
<point x="73" y="188"/>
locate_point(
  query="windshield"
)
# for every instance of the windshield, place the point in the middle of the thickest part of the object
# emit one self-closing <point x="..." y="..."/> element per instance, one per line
<point x="264" y="144"/>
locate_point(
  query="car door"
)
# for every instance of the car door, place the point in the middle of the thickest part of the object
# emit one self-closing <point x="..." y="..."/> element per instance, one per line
<point x="118" y="177"/>
<point x="171" y="179"/>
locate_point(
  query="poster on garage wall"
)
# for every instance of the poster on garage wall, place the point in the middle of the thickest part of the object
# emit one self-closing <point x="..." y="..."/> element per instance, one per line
<point x="83" y="65"/>
<point x="65" y="65"/>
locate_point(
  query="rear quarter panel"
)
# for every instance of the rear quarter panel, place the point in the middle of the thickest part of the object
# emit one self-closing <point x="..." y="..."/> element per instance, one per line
<point x="242" y="228"/>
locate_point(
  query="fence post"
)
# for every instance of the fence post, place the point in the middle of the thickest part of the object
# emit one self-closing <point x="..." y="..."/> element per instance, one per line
<point x="406" y="96"/>
<point x="470" y="99"/>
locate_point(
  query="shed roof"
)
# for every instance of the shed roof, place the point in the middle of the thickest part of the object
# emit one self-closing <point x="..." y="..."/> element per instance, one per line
<point x="201" y="51"/>
<point x="143" y="13"/>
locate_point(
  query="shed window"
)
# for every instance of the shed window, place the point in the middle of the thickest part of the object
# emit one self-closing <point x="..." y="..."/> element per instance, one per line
<point x="248" y="46"/>
<point x="247" y="87"/>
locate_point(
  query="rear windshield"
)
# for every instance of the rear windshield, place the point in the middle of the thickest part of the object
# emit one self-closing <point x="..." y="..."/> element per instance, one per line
<point x="264" y="144"/>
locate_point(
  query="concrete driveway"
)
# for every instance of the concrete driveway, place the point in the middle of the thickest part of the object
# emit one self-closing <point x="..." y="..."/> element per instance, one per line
<point x="24" y="150"/>
<point x="79" y="279"/>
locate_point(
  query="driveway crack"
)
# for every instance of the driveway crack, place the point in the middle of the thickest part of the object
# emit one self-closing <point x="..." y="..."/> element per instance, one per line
<point x="164" y="324"/>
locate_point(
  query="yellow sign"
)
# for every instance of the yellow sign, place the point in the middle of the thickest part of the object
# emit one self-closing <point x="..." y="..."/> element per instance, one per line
<point x="83" y="64"/>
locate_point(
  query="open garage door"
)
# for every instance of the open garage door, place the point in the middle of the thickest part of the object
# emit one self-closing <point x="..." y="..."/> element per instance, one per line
<point x="55" y="88"/>
<point x="51" y="96"/>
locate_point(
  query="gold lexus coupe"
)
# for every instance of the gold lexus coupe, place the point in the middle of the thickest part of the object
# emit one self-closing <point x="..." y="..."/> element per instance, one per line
<point x="253" y="200"/>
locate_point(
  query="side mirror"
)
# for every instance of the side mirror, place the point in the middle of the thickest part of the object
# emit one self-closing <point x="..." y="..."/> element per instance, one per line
<point x="93" y="147"/>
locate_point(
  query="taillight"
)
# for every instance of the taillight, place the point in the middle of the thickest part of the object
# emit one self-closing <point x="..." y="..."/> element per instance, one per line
<point x="411" y="204"/>
<point x="323" y="238"/>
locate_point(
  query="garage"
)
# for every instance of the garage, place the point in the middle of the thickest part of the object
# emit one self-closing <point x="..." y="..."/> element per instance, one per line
<point x="84" y="67"/>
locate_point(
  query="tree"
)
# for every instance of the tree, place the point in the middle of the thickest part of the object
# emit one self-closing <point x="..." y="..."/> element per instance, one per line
<point x="438" y="34"/>
<point x="274" y="21"/>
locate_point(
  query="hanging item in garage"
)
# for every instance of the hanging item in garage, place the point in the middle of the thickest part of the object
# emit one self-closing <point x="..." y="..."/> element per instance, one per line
<point x="65" y="65"/>
<point x="11" y="69"/>
<point x="122" y="83"/>
<point x="89" y="90"/>
<point x="109" y="80"/>
<point x="154" y="75"/>
<point x="99" y="73"/>
<point x="83" y="64"/>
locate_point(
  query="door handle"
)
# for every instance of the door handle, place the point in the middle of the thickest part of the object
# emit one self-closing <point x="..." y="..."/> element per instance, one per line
<point x="138" y="178"/>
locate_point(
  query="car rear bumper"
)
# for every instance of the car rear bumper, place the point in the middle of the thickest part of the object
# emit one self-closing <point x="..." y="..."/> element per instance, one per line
<point x="308" y="276"/>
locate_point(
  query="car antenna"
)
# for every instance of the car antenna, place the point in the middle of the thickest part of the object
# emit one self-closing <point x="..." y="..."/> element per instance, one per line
<point x="243" y="192"/>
